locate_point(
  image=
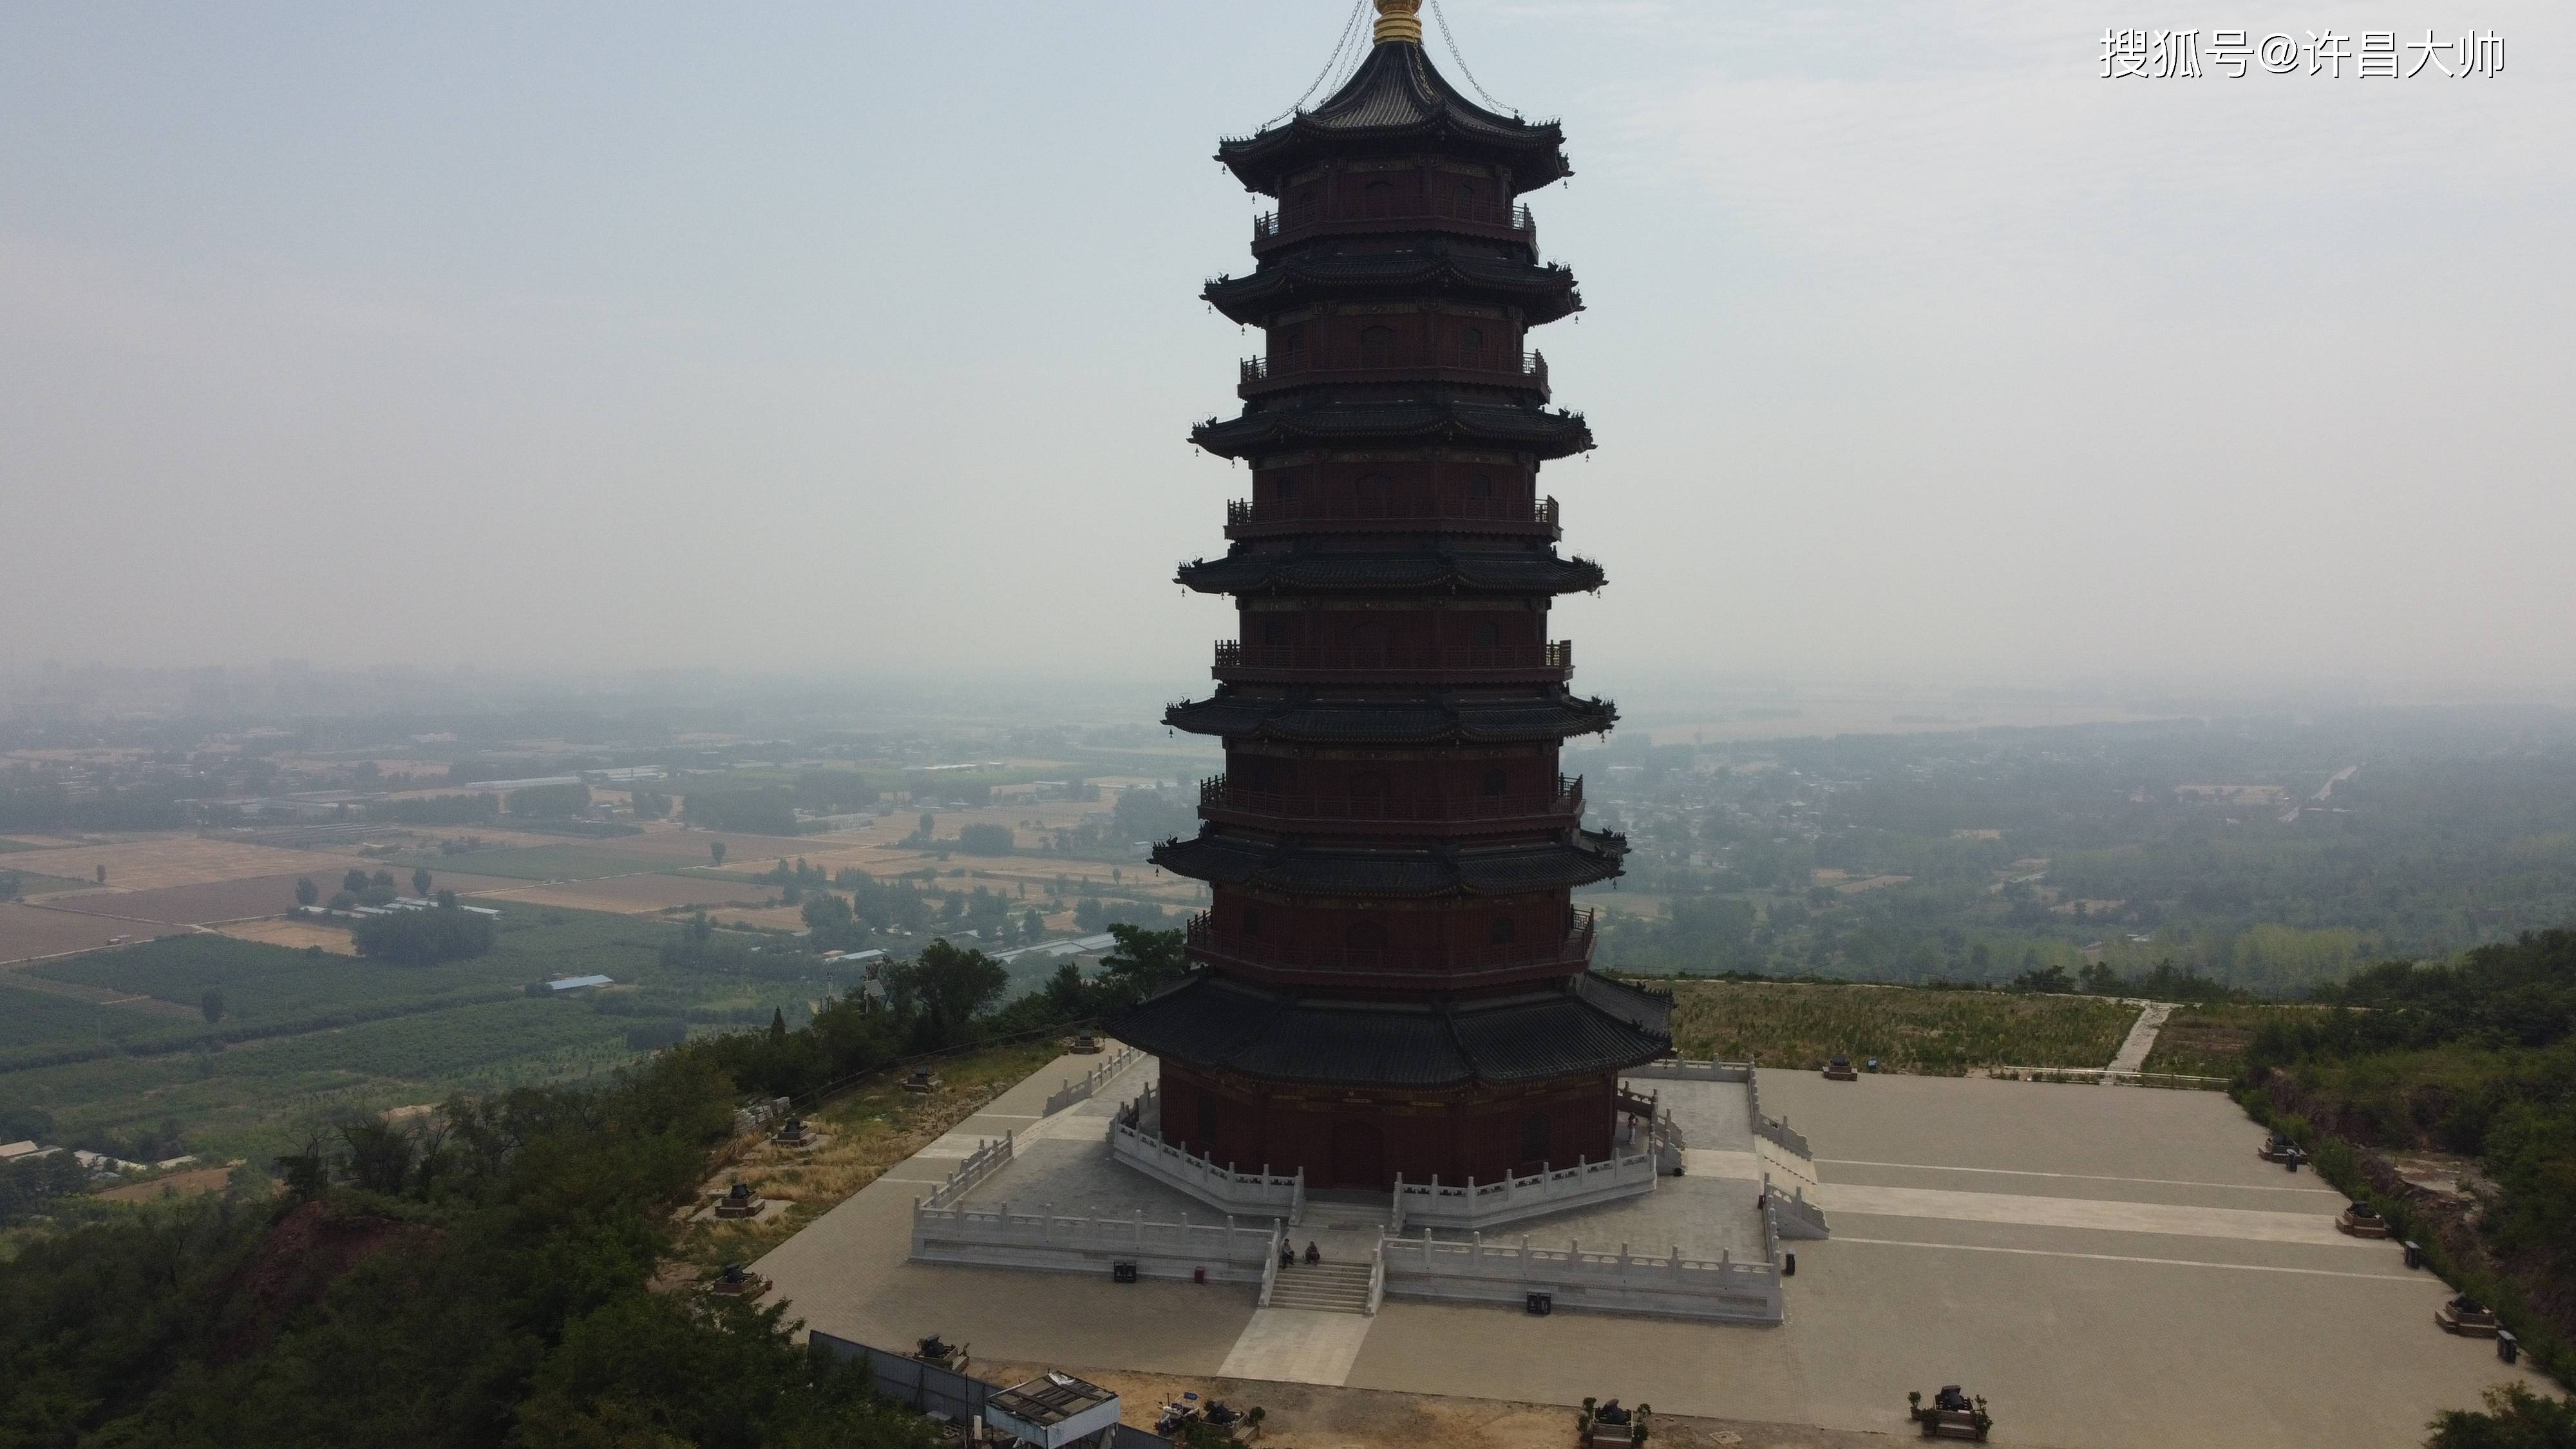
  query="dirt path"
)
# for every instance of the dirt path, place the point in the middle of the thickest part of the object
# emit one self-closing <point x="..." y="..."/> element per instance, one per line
<point x="1306" y="1416"/>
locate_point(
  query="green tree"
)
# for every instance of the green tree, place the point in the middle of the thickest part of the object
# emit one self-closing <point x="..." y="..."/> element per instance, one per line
<point x="943" y="988"/>
<point x="420" y="880"/>
<point x="211" y="1006"/>
<point x="715" y="851"/>
<point x="306" y="892"/>
<point x="1141" y="960"/>
<point x="2515" y="1418"/>
<point x="424" y="938"/>
<point x="355" y="881"/>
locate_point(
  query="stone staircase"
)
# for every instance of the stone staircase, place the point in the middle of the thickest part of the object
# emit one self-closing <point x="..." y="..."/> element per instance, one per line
<point x="1324" y="1288"/>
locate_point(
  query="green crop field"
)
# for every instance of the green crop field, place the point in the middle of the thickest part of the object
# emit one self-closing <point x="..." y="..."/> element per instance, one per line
<point x="306" y="1036"/>
<point x="28" y="1018"/>
<point x="32" y="884"/>
<point x="532" y="862"/>
<point x="271" y="984"/>
<point x="1932" y="1033"/>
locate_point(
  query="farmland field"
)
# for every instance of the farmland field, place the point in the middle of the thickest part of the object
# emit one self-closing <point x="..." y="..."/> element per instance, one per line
<point x="32" y="884"/>
<point x="296" y="934"/>
<point x="536" y="862"/>
<point x="306" y="1035"/>
<point x="1930" y="1033"/>
<point x="633" y="893"/>
<point x="2210" y="1041"/>
<point x="31" y="1017"/>
<point x="28" y="932"/>
<point x="158" y="861"/>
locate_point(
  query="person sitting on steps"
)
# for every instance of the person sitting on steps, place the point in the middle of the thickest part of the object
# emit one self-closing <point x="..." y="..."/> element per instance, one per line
<point x="1314" y="1254"/>
<point x="1287" y="1254"/>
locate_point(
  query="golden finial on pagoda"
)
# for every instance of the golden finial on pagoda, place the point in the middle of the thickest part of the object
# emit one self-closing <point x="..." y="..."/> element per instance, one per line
<point x="1399" y="20"/>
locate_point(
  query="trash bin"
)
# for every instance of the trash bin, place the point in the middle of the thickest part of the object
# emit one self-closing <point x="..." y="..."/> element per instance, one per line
<point x="2508" y="1347"/>
<point x="1788" y="1265"/>
<point x="1540" y="1304"/>
<point x="2414" y="1254"/>
<point x="1122" y="1272"/>
<point x="1199" y="1276"/>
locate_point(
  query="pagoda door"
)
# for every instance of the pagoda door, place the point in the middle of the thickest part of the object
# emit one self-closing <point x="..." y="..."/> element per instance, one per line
<point x="1359" y="1154"/>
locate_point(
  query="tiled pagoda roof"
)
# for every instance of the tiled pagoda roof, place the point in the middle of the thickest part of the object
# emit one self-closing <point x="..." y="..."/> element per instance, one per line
<point x="1590" y="1023"/>
<point x="1397" y="101"/>
<point x="1439" y="420"/>
<point x="1544" y="294"/>
<point x="1393" y="718"/>
<point x="1418" y="872"/>
<point x="1517" y="571"/>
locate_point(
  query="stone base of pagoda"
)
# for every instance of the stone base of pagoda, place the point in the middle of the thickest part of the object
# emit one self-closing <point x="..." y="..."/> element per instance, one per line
<point x="1365" y="1138"/>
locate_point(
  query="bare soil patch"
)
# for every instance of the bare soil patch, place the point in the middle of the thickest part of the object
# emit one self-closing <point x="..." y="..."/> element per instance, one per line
<point x="161" y="861"/>
<point x="177" y="1184"/>
<point x="638" y="894"/>
<point x="294" y="934"/>
<point x="28" y="932"/>
<point x="1311" y="1416"/>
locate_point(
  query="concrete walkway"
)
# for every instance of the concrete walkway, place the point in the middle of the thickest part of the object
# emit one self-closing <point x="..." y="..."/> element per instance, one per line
<point x="1298" y="1346"/>
<point x="2132" y="1056"/>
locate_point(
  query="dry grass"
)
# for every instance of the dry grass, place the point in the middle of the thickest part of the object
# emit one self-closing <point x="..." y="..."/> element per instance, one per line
<point x="296" y="934"/>
<point x="160" y="861"/>
<point x="872" y="1129"/>
<point x="2210" y="1041"/>
<point x="1929" y="1033"/>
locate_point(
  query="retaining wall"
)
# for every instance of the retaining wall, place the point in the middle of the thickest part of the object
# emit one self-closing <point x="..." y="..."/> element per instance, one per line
<point x="1670" y="1286"/>
<point x="999" y="1238"/>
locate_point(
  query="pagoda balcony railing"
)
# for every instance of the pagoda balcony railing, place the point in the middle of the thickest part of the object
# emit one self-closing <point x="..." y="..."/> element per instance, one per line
<point x="1245" y="517"/>
<point x="1462" y="964"/>
<point x="1527" y="368"/>
<point x="1489" y="217"/>
<point x="1373" y="813"/>
<point x="1393" y="663"/>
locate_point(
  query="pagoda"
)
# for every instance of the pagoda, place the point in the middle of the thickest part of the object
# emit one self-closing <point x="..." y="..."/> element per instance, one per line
<point x="1392" y="977"/>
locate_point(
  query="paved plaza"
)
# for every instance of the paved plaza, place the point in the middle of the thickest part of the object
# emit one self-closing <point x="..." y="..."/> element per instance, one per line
<point x="2112" y="1266"/>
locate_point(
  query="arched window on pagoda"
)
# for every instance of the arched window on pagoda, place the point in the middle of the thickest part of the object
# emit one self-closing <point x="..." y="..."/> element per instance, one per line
<point x="1368" y="793"/>
<point x="1364" y="936"/>
<point x="1283" y="486"/>
<point x="1498" y="782"/>
<point x="1472" y="339"/>
<point x="1287" y="348"/>
<point x="1378" y="198"/>
<point x="1207" y="1120"/>
<point x="1377" y="496"/>
<point x="1469" y="208"/>
<point x="1252" y="922"/>
<point x="1489" y="636"/>
<point x="1500" y="933"/>
<point x="1377" y="347"/>
<point x="1369" y="643"/>
<point x="1480" y="487"/>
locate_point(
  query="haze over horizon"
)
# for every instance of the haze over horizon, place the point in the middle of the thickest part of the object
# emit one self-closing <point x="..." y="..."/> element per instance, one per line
<point x="832" y="341"/>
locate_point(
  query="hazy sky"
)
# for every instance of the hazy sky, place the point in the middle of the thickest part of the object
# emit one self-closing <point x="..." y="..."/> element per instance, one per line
<point x="864" y="336"/>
